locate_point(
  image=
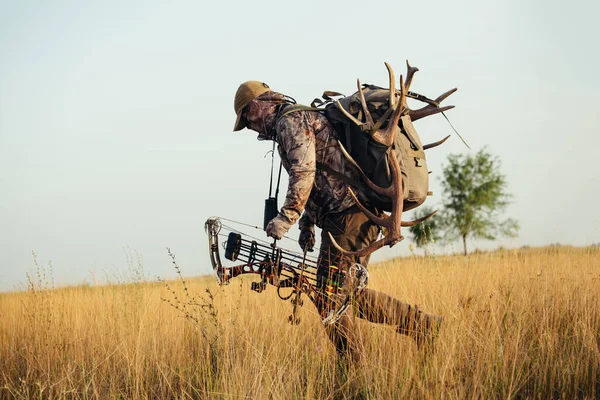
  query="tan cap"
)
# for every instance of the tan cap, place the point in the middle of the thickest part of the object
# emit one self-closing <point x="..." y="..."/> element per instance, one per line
<point x="247" y="92"/>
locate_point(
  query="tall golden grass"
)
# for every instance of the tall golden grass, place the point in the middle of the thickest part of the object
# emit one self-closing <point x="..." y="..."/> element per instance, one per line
<point x="518" y="324"/>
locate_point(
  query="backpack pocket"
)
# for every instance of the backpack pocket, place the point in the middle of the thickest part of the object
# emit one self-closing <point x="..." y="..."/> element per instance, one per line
<point x="414" y="169"/>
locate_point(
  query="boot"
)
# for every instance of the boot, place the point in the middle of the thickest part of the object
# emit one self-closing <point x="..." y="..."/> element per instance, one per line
<point x="423" y="328"/>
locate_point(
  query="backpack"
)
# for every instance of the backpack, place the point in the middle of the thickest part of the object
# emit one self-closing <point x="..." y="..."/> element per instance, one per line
<point x="369" y="154"/>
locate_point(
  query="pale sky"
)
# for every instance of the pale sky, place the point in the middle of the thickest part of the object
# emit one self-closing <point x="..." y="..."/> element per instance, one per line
<point x="116" y="117"/>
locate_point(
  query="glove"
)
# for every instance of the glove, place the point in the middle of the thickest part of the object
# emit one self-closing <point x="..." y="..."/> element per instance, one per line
<point x="277" y="227"/>
<point x="307" y="239"/>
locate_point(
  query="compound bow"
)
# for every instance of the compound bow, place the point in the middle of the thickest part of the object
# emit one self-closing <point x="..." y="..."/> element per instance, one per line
<point x="284" y="269"/>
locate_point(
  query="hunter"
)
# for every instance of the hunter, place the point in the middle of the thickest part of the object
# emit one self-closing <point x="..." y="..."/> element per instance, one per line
<point x="315" y="197"/>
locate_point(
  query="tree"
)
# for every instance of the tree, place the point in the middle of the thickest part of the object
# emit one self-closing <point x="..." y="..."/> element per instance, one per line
<point x="475" y="195"/>
<point x="425" y="232"/>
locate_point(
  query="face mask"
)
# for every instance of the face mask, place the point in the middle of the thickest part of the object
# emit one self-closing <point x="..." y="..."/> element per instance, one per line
<point x="262" y="119"/>
<point x="265" y="133"/>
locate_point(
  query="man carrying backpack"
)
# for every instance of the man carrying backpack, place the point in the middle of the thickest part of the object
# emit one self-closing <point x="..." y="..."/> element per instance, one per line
<point x="317" y="197"/>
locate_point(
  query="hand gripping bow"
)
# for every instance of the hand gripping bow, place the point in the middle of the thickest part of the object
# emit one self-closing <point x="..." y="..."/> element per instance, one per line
<point x="284" y="269"/>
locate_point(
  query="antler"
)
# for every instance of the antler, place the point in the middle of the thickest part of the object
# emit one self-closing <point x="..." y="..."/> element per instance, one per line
<point x="433" y="106"/>
<point x="364" y="126"/>
<point x="435" y="144"/>
<point x="393" y="222"/>
<point x="410" y="72"/>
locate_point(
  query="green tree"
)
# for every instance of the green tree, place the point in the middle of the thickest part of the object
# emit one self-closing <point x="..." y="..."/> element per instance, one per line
<point x="475" y="196"/>
<point x="426" y="232"/>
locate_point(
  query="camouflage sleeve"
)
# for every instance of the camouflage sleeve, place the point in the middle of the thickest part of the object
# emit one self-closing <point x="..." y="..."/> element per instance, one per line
<point x="297" y="141"/>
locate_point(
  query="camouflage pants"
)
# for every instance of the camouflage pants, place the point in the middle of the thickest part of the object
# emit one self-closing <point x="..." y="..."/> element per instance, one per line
<point x="352" y="230"/>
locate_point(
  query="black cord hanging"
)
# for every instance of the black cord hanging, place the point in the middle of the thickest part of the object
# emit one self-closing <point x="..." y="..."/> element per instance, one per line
<point x="271" y="209"/>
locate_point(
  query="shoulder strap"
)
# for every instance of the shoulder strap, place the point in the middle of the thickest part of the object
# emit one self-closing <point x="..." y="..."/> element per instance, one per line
<point x="298" y="107"/>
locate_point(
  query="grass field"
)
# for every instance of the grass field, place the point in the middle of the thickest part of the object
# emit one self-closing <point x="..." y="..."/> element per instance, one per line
<point x="518" y="324"/>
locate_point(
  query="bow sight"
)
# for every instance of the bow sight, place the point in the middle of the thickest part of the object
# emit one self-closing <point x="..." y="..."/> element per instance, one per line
<point x="329" y="287"/>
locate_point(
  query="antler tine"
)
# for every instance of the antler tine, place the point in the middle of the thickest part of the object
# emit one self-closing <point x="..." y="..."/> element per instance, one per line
<point x="418" y="221"/>
<point x="392" y="99"/>
<point x="364" y="251"/>
<point x="351" y="160"/>
<point x="445" y="95"/>
<point x="403" y="94"/>
<point x="347" y="114"/>
<point x="387" y="136"/>
<point x="368" y="118"/>
<point x="377" y="189"/>
<point x="374" y="218"/>
<point x="434" y="108"/>
<point x="410" y="71"/>
<point x="435" y="144"/>
<point x="381" y="221"/>
<point x="427" y="111"/>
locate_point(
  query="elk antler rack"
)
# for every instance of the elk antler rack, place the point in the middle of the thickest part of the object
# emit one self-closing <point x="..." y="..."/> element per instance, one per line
<point x="397" y="108"/>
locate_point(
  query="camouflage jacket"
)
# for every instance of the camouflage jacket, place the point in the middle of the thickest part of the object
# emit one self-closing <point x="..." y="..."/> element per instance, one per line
<point x="305" y="137"/>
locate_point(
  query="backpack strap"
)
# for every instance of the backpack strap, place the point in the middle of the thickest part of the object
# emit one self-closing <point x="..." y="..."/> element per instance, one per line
<point x="297" y="107"/>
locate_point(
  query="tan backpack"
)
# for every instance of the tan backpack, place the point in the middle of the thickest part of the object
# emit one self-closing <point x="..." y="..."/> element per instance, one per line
<point x="371" y="155"/>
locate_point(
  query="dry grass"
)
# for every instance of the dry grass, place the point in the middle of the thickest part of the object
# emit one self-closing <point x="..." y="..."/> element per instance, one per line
<point x="519" y="324"/>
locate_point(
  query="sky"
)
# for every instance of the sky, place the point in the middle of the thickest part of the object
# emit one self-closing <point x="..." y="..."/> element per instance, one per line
<point x="116" y="118"/>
